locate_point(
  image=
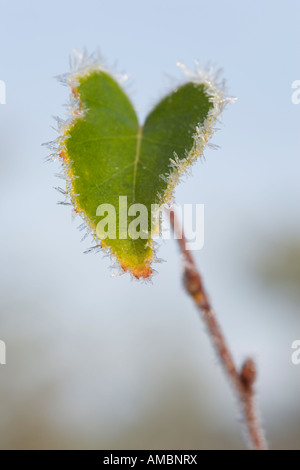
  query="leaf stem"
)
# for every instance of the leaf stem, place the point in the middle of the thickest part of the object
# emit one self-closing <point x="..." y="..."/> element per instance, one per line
<point x="242" y="381"/>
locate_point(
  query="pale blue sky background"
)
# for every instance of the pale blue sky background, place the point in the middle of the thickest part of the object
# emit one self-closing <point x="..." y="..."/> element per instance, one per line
<point x="102" y="344"/>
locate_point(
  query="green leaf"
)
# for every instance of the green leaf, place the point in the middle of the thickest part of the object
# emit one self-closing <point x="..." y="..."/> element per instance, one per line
<point x="107" y="154"/>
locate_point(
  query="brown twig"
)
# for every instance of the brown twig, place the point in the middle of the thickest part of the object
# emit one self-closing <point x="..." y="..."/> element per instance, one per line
<point x="243" y="381"/>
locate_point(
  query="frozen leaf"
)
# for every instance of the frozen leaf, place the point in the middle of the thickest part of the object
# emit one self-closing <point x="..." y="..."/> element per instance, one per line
<point x="107" y="155"/>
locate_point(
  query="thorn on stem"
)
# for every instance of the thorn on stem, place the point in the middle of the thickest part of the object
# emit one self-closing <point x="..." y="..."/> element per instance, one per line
<point x="193" y="284"/>
<point x="248" y="373"/>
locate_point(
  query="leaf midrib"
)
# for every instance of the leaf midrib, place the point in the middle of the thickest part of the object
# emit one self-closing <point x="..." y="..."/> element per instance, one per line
<point x="136" y="160"/>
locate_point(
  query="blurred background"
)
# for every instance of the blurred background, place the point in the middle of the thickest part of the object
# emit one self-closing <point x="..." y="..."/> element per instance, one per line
<point x="100" y="362"/>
